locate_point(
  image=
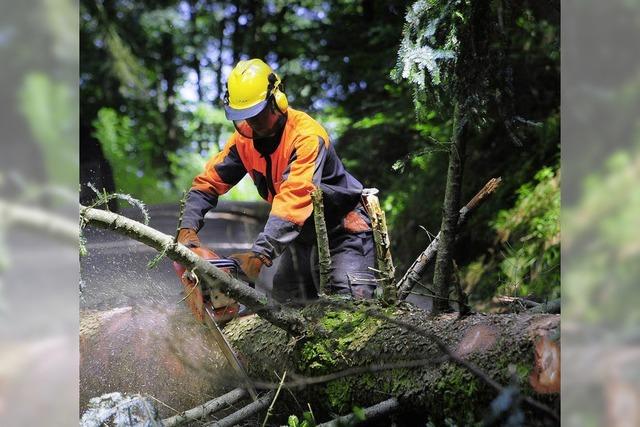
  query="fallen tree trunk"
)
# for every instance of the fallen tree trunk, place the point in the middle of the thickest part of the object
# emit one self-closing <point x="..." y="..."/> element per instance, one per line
<point x="431" y="388"/>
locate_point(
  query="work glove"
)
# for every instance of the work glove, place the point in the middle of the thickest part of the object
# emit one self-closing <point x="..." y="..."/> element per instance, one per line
<point x="251" y="263"/>
<point x="189" y="238"/>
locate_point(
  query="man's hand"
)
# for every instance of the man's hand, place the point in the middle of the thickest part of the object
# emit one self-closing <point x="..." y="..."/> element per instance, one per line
<point x="251" y="263"/>
<point x="189" y="238"/>
<point x="201" y="251"/>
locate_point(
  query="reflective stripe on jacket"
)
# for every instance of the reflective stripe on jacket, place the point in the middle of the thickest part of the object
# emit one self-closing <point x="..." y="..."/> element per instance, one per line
<point x="303" y="160"/>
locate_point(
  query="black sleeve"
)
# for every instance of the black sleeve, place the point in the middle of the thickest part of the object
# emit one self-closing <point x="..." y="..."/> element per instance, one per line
<point x="197" y="205"/>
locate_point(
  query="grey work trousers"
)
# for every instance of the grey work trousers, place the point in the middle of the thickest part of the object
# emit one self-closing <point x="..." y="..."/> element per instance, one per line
<point x="352" y="253"/>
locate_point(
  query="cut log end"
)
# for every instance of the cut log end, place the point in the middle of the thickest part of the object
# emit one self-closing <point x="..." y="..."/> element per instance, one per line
<point x="545" y="378"/>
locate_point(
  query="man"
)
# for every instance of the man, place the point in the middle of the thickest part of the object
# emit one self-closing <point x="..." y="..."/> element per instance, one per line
<point x="288" y="155"/>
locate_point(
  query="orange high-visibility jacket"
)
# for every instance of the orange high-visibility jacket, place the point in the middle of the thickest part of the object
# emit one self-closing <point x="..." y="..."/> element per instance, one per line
<point x="285" y="171"/>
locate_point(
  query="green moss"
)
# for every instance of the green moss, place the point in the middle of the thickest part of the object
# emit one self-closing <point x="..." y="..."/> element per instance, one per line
<point x="403" y="379"/>
<point x="342" y="321"/>
<point x="523" y="370"/>
<point x="317" y="358"/>
<point x="348" y="331"/>
<point x="458" y="389"/>
<point x="339" y="395"/>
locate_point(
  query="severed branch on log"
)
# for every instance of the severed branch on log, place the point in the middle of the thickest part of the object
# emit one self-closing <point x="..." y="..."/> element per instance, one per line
<point x="379" y="409"/>
<point x="383" y="245"/>
<point x="281" y="316"/>
<point x="552" y="307"/>
<point x="524" y="304"/>
<point x="324" y="256"/>
<point x="244" y="413"/>
<point x="206" y="408"/>
<point x="301" y="381"/>
<point x="415" y="272"/>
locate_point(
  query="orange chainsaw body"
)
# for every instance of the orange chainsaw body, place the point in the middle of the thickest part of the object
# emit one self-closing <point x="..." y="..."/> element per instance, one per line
<point x="224" y="307"/>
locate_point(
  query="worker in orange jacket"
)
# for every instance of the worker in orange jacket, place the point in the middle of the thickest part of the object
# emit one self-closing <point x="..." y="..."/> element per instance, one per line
<point x="287" y="154"/>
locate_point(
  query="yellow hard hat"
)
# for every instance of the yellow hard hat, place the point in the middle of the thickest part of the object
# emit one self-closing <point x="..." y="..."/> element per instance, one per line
<point x="249" y="87"/>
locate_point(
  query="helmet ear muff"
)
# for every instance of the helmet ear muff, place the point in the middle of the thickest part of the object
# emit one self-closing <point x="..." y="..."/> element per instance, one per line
<point x="276" y="89"/>
<point x="281" y="100"/>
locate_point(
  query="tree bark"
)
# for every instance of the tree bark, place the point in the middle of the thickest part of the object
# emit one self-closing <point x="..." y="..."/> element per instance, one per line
<point x="450" y="212"/>
<point x="374" y="411"/>
<point x="207" y="408"/>
<point x="244" y="413"/>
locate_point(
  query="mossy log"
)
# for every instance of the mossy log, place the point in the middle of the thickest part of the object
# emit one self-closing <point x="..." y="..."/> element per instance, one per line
<point x="527" y="342"/>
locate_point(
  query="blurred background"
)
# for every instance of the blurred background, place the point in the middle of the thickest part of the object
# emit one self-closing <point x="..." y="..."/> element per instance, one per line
<point x="600" y="211"/>
<point x="39" y="270"/>
<point x="143" y="113"/>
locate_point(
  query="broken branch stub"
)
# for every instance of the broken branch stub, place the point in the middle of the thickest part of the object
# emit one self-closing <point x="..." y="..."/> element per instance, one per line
<point x="324" y="255"/>
<point x="383" y="245"/>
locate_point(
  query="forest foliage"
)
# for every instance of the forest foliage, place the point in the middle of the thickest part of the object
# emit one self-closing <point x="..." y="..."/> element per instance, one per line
<point x="378" y="75"/>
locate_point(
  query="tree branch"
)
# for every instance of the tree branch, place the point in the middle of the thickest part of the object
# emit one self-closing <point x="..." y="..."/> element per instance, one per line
<point x="415" y="272"/>
<point x="381" y="408"/>
<point x="320" y="379"/>
<point x="244" y="413"/>
<point x="206" y="408"/>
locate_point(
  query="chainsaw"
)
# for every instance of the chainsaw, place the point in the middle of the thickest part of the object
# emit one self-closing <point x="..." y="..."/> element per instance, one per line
<point x="222" y="307"/>
<point x="214" y="308"/>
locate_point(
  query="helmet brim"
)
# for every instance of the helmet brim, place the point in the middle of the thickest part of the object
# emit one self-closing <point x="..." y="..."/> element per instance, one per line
<point x="246" y="113"/>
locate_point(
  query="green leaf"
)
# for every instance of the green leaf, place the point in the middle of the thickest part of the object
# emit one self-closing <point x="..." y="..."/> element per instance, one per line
<point x="293" y="421"/>
<point x="359" y="413"/>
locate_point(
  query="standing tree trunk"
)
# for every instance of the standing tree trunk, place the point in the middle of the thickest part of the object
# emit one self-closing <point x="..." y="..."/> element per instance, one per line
<point x="450" y="210"/>
<point x="170" y="75"/>
<point x="195" y="57"/>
